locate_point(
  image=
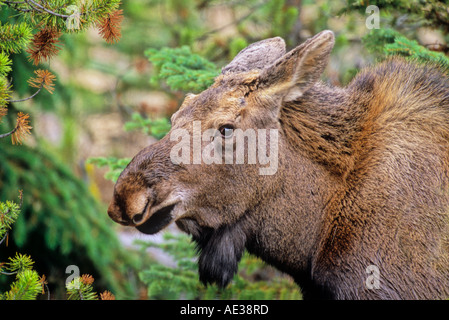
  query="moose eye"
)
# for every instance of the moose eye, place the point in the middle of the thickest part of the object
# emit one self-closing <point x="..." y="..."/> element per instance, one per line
<point x="226" y="131"/>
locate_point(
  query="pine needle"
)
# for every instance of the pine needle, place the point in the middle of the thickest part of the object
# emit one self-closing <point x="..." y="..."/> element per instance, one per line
<point x="109" y="27"/>
<point x="22" y="128"/>
<point x="107" y="295"/>
<point x="87" y="279"/>
<point x="43" y="78"/>
<point x="44" y="45"/>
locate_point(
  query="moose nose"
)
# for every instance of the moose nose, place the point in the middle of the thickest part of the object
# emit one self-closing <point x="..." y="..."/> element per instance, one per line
<point x="115" y="214"/>
<point x="126" y="218"/>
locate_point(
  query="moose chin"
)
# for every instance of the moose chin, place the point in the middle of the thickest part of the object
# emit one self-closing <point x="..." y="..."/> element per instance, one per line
<point x="361" y="180"/>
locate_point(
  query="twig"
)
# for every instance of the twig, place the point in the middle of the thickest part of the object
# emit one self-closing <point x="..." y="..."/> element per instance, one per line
<point x="20" y="193"/>
<point x="1" y="241"/>
<point x="48" y="291"/>
<point x="4" y="135"/>
<point x="42" y="8"/>
<point x="30" y="97"/>
<point x="8" y="273"/>
<point x="235" y="22"/>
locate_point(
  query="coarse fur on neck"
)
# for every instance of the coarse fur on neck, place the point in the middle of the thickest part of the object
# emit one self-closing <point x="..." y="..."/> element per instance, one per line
<point x="335" y="126"/>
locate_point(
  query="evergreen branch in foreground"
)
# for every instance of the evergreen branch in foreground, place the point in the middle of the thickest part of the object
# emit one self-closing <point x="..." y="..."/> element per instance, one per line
<point x="80" y="288"/>
<point x="20" y="131"/>
<point x="27" y="284"/>
<point x="9" y="212"/>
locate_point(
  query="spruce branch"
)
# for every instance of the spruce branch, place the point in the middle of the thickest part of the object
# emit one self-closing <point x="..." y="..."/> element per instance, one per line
<point x="80" y="288"/>
<point x="115" y="166"/>
<point x="19" y="263"/>
<point x="5" y="92"/>
<point x="21" y="129"/>
<point x="5" y="64"/>
<point x="107" y="295"/>
<point x="87" y="279"/>
<point x="45" y="45"/>
<point x="68" y="15"/>
<point x="109" y="27"/>
<point x="39" y="7"/>
<point x="26" y="287"/>
<point x="28" y="98"/>
<point x="13" y="38"/>
<point x="9" y="212"/>
<point x="181" y="69"/>
<point x="44" y="78"/>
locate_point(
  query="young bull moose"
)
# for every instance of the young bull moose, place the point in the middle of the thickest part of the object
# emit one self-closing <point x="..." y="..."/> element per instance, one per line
<point x="358" y="206"/>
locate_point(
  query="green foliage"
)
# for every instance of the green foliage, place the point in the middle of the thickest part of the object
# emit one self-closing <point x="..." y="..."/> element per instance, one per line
<point x="181" y="69"/>
<point x="5" y="92"/>
<point x="388" y="42"/>
<point x="19" y="263"/>
<point x="26" y="287"/>
<point x="282" y="17"/>
<point x="61" y="219"/>
<point x="182" y="281"/>
<point x="429" y="13"/>
<point x="9" y="212"/>
<point x="81" y="288"/>
<point x="115" y="165"/>
<point x="157" y="128"/>
<point x="27" y="284"/>
<point x="67" y="15"/>
<point x="412" y="50"/>
<point x="376" y="39"/>
<point x="14" y="37"/>
<point x="236" y="45"/>
<point x="5" y="64"/>
<point x="47" y="20"/>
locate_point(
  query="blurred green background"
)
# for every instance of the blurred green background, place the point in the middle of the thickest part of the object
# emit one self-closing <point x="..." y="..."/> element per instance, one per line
<point x="110" y="101"/>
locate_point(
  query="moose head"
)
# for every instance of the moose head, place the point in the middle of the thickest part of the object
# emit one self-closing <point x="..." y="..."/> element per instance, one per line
<point x="271" y="160"/>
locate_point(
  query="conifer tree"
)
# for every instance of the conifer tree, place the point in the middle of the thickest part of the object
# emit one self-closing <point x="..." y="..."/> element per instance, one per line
<point x="397" y="36"/>
<point x="27" y="285"/>
<point x="38" y="34"/>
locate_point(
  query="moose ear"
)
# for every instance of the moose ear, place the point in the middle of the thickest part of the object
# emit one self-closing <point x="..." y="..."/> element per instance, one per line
<point x="256" y="56"/>
<point x="298" y="70"/>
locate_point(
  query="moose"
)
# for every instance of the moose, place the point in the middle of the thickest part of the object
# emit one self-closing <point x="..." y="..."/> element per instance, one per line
<point x="358" y="207"/>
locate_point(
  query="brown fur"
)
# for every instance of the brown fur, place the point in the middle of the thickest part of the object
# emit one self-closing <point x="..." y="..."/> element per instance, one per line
<point x="363" y="176"/>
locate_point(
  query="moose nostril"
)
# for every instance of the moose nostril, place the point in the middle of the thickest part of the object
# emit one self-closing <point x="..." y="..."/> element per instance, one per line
<point x="137" y="218"/>
<point x="140" y="218"/>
